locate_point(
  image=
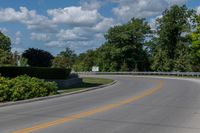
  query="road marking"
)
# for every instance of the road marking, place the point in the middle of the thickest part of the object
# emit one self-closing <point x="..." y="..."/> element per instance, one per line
<point x="90" y="112"/>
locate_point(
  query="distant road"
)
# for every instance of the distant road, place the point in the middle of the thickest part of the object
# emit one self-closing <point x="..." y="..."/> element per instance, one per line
<point x="132" y="105"/>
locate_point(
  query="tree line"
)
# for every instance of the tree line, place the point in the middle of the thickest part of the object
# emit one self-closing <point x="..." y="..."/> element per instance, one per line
<point x="174" y="45"/>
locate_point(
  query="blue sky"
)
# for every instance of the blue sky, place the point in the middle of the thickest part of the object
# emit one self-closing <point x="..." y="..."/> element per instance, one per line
<point x="53" y="25"/>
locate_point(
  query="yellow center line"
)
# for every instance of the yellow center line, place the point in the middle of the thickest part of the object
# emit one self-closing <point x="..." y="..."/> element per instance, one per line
<point x="90" y="112"/>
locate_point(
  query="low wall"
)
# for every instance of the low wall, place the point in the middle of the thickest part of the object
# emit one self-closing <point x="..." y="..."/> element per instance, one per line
<point x="68" y="82"/>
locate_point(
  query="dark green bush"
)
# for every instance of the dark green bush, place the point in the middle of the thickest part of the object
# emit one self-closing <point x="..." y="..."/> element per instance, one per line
<point x="24" y="87"/>
<point x="39" y="72"/>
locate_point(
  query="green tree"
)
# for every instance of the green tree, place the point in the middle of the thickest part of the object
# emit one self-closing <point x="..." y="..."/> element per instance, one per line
<point x="5" y="43"/>
<point x="85" y="61"/>
<point x="195" y="48"/>
<point x="23" y="61"/>
<point x="61" y="62"/>
<point x="6" y="58"/>
<point x="38" y="57"/>
<point x="172" y="31"/>
<point x="65" y="59"/>
<point x="127" y="44"/>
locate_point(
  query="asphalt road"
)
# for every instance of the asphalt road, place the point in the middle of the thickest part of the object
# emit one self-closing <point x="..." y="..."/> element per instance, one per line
<point x="132" y="105"/>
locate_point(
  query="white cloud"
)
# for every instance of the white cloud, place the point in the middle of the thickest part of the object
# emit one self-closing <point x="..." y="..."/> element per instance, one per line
<point x="3" y="30"/>
<point x="198" y="10"/>
<point x="75" y="34"/>
<point x="78" y="46"/>
<point x="20" y="50"/>
<point x="104" y="25"/>
<point x="91" y="4"/>
<point x="40" y="36"/>
<point x="17" y="38"/>
<point x="152" y="22"/>
<point x="28" y="17"/>
<point x="75" y="16"/>
<point x="127" y="9"/>
<point x="56" y="44"/>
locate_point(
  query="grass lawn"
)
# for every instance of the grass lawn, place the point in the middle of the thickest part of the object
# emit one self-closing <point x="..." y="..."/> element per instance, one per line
<point x="87" y="82"/>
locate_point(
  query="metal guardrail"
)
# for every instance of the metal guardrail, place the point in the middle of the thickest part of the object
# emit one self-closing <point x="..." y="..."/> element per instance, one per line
<point x="193" y="74"/>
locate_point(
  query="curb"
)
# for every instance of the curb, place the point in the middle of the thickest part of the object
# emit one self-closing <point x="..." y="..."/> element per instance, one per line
<point x="56" y="96"/>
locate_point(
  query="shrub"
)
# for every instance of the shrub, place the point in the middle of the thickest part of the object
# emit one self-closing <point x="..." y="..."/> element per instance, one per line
<point x="39" y="72"/>
<point x="24" y="87"/>
<point x="38" y="57"/>
<point x="5" y="92"/>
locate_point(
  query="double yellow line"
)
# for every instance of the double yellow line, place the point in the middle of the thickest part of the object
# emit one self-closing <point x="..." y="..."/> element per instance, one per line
<point x="90" y="112"/>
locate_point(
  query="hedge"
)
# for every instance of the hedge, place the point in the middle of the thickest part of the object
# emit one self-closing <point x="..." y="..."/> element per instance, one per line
<point x="39" y="72"/>
<point x="24" y="87"/>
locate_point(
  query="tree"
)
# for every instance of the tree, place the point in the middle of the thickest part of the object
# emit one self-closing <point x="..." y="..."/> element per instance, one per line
<point x="65" y="59"/>
<point x="61" y="62"/>
<point x="85" y="61"/>
<point x="6" y="58"/>
<point x="172" y="31"/>
<point x="70" y="54"/>
<point x="127" y="44"/>
<point x="5" y="43"/>
<point x="195" y="48"/>
<point x="38" y="57"/>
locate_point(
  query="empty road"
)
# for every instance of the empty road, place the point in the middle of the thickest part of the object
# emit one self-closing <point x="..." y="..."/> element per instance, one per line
<point x="132" y="105"/>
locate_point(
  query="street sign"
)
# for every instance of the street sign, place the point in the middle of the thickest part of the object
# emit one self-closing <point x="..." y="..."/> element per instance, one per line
<point x="95" y="68"/>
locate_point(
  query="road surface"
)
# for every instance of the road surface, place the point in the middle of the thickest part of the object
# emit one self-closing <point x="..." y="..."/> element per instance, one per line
<point x="132" y="105"/>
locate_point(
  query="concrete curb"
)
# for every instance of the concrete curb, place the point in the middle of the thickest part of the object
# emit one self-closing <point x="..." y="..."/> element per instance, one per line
<point x="56" y="96"/>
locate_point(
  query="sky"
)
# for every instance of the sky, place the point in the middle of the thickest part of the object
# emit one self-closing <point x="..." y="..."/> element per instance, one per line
<point x="53" y="25"/>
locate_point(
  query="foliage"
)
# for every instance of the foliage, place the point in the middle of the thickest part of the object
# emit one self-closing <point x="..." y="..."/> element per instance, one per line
<point x="195" y="48"/>
<point x="6" y="58"/>
<point x="65" y="59"/>
<point x="24" y="87"/>
<point x="124" y="47"/>
<point x="23" y="62"/>
<point x="5" y="43"/>
<point x="39" y="72"/>
<point x="38" y="57"/>
<point x="61" y="62"/>
<point x="85" y="61"/>
<point x="172" y="40"/>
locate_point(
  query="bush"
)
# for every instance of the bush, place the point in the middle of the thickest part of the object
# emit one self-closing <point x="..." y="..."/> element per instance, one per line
<point x="24" y="87"/>
<point x="37" y="57"/>
<point x="39" y="72"/>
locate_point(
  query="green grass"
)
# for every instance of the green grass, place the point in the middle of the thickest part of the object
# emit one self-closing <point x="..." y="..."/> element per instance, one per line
<point x="87" y="82"/>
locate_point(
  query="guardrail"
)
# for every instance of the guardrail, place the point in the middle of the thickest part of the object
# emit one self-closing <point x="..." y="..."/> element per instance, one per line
<point x="192" y="74"/>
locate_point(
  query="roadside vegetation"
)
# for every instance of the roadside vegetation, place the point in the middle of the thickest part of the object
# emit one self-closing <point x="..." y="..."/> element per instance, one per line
<point x="24" y="87"/>
<point x="172" y="45"/>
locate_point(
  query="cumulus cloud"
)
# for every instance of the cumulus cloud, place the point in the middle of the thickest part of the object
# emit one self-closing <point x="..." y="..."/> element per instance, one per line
<point x="81" y="27"/>
<point x="75" y="16"/>
<point x="17" y="38"/>
<point x="18" y="49"/>
<point x="198" y="10"/>
<point x="56" y="43"/>
<point x="40" y="36"/>
<point x="28" y="17"/>
<point x="152" y="22"/>
<point x="3" y="30"/>
<point x="79" y="46"/>
<point x="127" y="9"/>
<point x="104" y="25"/>
<point x="75" y="34"/>
<point x="91" y="4"/>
